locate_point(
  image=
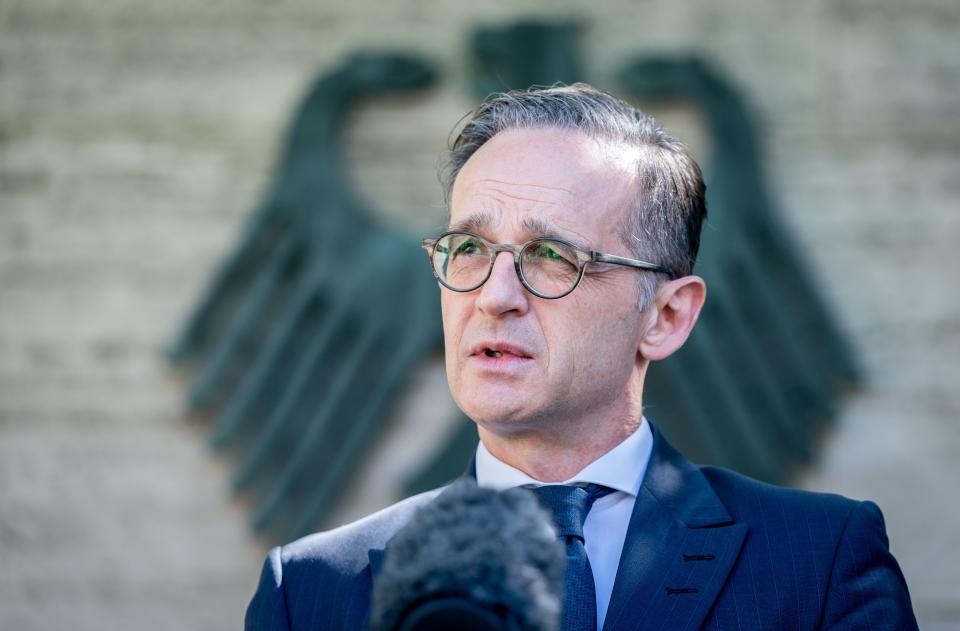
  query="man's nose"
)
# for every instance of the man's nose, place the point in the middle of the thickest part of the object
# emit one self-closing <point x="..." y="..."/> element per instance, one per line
<point x="503" y="291"/>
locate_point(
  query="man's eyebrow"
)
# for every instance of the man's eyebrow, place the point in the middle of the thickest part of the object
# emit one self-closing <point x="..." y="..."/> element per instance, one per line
<point x="535" y="226"/>
<point x="474" y="222"/>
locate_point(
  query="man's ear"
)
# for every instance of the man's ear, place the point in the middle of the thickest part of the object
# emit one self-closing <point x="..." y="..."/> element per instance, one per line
<point x="675" y="309"/>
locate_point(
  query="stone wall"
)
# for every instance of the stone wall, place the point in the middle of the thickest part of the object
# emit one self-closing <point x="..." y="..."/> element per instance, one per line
<point x="136" y="138"/>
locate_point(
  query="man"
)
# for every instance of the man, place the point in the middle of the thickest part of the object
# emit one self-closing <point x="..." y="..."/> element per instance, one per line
<point x="566" y="269"/>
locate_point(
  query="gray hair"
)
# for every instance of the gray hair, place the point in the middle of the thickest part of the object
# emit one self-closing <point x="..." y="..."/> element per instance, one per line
<point x="663" y="225"/>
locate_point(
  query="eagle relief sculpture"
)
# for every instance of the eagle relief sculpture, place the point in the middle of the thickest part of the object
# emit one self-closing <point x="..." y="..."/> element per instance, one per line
<point x="309" y="330"/>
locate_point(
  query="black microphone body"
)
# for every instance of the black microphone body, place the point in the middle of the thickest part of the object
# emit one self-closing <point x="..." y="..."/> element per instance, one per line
<point x="474" y="559"/>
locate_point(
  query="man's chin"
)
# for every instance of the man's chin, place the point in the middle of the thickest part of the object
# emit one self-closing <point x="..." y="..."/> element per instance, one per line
<point x="500" y="415"/>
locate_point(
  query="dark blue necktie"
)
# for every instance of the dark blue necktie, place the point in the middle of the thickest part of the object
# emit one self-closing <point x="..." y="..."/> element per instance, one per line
<point x="569" y="506"/>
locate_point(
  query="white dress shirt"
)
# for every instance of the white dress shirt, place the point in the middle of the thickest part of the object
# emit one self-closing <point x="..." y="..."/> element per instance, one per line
<point x="605" y="529"/>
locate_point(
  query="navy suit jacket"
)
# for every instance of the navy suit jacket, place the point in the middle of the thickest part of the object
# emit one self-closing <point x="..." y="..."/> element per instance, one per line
<point x="706" y="548"/>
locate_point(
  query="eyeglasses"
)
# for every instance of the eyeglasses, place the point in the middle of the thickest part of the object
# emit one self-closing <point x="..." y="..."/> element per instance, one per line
<point x="548" y="267"/>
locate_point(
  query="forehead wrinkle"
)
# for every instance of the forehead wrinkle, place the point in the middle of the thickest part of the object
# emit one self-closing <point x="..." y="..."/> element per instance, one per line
<point x="494" y="188"/>
<point x="491" y="200"/>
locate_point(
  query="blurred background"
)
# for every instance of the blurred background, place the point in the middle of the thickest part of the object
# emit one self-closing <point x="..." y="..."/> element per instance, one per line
<point x="140" y="143"/>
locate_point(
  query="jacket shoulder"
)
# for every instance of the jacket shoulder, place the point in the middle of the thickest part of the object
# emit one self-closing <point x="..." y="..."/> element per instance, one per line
<point x="826" y="556"/>
<point x="321" y="581"/>
<point x="346" y="548"/>
<point x="751" y="500"/>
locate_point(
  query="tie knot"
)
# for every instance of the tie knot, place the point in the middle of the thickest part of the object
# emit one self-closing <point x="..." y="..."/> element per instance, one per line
<point x="569" y="505"/>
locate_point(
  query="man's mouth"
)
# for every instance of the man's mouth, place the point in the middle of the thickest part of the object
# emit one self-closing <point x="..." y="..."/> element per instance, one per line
<point x="497" y="350"/>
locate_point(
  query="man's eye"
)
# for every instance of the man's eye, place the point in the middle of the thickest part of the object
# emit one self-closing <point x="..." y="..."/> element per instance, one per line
<point x="467" y="247"/>
<point x="545" y="251"/>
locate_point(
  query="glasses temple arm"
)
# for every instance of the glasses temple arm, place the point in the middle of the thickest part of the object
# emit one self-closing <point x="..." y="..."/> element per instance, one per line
<point x="600" y="257"/>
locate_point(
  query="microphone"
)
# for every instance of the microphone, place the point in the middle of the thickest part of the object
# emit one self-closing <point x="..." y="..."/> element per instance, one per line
<point x="474" y="559"/>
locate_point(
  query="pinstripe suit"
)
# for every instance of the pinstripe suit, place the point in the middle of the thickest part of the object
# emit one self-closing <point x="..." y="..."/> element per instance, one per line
<point x="707" y="548"/>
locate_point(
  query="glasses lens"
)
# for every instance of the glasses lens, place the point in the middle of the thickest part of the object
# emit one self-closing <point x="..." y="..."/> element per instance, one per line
<point x="462" y="261"/>
<point x="551" y="268"/>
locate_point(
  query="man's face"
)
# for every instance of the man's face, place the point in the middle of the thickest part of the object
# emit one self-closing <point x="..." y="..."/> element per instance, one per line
<point x="559" y="362"/>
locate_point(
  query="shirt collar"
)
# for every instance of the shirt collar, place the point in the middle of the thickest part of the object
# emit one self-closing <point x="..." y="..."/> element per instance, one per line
<point x="622" y="468"/>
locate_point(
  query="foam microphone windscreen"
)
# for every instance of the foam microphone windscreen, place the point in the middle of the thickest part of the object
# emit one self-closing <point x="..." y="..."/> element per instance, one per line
<point x="473" y="558"/>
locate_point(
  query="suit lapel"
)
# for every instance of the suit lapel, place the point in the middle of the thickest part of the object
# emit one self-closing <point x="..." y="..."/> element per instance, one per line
<point x="680" y="547"/>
